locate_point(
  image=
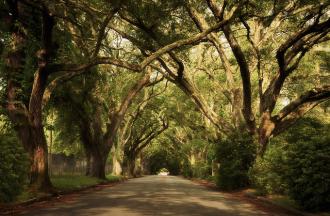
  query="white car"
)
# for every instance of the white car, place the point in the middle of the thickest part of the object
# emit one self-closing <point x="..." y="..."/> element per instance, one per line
<point x="163" y="173"/>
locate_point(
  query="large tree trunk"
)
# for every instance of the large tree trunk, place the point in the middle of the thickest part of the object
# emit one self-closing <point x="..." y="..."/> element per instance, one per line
<point x="94" y="149"/>
<point x="116" y="164"/>
<point x="88" y="162"/>
<point x="34" y="142"/>
<point x="95" y="161"/>
<point x="31" y="134"/>
<point x="26" y="116"/>
<point x="97" y="168"/>
<point x="266" y="128"/>
<point x="117" y="168"/>
<point x="28" y="121"/>
<point x="130" y="164"/>
<point x="39" y="176"/>
<point x="97" y="146"/>
<point x="38" y="149"/>
<point x="237" y="102"/>
<point x="118" y="116"/>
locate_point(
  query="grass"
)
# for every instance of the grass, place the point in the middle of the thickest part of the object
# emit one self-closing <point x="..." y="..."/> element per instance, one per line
<point x="114" y="178"/>
<point x="24" y="196"/>
<point x="284" y="201"/>
<point x="211" y="179"/>
<point x="68" y="183"/>
<point x="279" y="200"/>
<point x="73" y="182"/>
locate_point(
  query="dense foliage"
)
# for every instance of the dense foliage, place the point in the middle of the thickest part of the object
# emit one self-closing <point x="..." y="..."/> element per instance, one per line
<point x="158" y="84"/>
<point x="236" y="155"/>
<point x="13" y="167"/>
<point x="297" y="164"/>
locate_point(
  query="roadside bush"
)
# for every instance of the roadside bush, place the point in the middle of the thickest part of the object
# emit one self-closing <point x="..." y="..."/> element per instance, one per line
<point x="266" y="175"/>
<point x="236" y="155"/>
<point x="187" y="171"/>
<point x="297" y="164"/>
<point x="201" y="170"/>
<point x="163" y="170"/>
<point x="173" y="165"/>
<point x="308" y="160"/>
<point x="13" y="167"/>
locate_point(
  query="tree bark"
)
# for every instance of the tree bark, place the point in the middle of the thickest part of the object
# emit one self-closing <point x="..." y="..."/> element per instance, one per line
<point x="185" y="85"/>
<point x="97" y="146"/>
<point x="37" y="147"/>
<point x="93" y="146"/>
<point x="266" y="129"/>
<point x="116" y="164"/>
<point x="88" y="162"/>
<point x="130" y="165"/>
<point x="118" y="116"/>
<point x="235" y="93"/>
<point x="39" y="176"/>
<point x="98" y="162"/>
<point x="27" y="121"/>
<point x="34" y="142"/>
<point x="246" y="76"/>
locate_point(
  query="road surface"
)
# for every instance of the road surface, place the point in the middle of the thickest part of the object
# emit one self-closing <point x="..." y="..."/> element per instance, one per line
<point x="152" y="195"/>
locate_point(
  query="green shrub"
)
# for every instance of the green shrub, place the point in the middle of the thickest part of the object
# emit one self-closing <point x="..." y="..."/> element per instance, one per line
<point x="173" y="165"/>
<point x="163" y="170"/>
<point x="267" y="173"/>
<point x="201" y="170"/>
<point x="297" y="164"/>
<point x="186" y="169"/>
<point x="13" y="167"/>
<point x="236" y="155"/>
<point x="114" y="178"/>
<point x="308" y="169"/>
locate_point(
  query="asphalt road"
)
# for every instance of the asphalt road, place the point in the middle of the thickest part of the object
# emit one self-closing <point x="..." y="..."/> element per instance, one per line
<point x="152" y="195"/>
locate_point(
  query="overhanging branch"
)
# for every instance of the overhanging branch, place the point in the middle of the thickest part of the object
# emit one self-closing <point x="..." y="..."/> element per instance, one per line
<point x="310" y="97"/>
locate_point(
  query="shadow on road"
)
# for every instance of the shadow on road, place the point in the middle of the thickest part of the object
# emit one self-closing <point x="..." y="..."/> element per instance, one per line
<point x="153" y="195"/>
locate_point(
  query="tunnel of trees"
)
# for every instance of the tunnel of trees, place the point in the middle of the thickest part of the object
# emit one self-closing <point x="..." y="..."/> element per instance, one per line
<point x="236" y="91"/>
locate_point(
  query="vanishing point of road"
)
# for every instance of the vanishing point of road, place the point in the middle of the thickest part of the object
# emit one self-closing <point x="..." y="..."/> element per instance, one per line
<point x="153" y="195"/>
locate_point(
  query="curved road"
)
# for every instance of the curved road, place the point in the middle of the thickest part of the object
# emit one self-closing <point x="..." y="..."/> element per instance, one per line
<point x="153" y="195"/>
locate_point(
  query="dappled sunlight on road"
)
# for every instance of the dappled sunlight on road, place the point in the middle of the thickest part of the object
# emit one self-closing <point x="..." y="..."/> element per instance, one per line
<point x="154" y="195"/>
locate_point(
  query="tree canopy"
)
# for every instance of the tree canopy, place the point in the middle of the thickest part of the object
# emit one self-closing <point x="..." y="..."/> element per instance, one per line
<point x="194" y="82"/>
